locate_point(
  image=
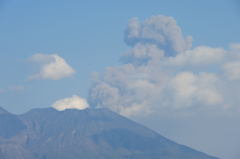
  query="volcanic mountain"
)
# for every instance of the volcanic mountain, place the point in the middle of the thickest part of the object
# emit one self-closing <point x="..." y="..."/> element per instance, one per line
<point x="84" y="134"/>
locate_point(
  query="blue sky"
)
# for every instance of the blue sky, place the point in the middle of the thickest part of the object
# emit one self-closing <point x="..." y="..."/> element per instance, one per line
<point x="89" y="36"/>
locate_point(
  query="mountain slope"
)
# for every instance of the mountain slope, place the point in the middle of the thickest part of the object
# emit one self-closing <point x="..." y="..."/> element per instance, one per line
<point x="10" y="125"/>
<point x="89" y="134"/>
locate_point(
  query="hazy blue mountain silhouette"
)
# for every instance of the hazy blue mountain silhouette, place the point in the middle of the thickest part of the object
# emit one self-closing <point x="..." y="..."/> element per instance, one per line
<point x="10" y="125"/>
<point x="83" y="134"/>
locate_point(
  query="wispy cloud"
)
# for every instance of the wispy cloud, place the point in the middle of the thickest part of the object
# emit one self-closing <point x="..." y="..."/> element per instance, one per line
<point x="13" y="88"/>
<point x="16" y="88"/>
<point x="52" y="67"/>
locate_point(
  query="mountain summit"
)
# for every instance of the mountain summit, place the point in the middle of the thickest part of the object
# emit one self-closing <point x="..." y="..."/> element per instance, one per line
<point x="84" y="134"/>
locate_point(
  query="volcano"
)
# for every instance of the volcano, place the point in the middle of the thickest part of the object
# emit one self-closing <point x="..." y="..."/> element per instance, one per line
<point x="84" y="134"/>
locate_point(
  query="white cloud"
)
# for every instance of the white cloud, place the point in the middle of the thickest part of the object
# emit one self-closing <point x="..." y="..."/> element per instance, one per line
<point x="74" y="102"/>
<point x="52" y="67"/>
<point x="201" y="56"/>
<point x="235" y="46"/>
<point x="190" y="89"/>
<point x="232" y="70"/>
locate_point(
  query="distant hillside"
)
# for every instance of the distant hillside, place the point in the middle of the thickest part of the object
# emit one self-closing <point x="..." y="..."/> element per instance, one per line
<point x="83" y="134"/>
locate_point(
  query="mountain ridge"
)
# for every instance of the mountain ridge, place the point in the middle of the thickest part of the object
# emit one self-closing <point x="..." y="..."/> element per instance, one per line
<point x="3" y="111"/>
<point x="87" y="134"/>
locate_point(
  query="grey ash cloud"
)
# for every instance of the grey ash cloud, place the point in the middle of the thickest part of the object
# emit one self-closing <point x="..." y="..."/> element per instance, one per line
<point x="162" y="73"/>
<point x="159" y="30"/>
